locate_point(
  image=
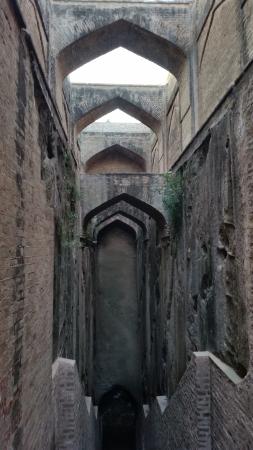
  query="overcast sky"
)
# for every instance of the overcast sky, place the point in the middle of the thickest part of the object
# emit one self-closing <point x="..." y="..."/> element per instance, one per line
<point x="118" y="116"/>
<point x="120" y="66"/>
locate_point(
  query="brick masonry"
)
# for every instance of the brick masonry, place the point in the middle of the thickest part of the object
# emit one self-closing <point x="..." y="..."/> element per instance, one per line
<point x="74" y="415"/>
<point x="206" y="280"/>
<point x="26" y="254"/>
<point x="204" y="413"/>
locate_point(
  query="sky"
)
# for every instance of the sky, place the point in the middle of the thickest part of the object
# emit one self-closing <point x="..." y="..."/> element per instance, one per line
<point x="120" y="66"/>
<point x="118" y="116"/>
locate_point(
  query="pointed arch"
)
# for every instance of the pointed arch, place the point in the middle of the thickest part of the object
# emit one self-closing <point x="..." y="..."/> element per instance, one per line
<point x="84" y="97"/>
<point x="121" y="33"/>
<point x="128" y="159"/>
<point x="117" y="220"/>
<point x="121" y="213"/>
<point x="140" y="204"/>
<point x="135" y="111"/>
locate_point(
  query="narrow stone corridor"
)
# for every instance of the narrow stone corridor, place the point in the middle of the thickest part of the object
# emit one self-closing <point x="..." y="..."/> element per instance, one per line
<point x="126" y="237"/>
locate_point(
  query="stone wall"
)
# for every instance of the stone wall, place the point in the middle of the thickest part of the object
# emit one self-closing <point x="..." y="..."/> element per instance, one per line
<point x="223" y="23"/>
<point x="174" y="138"/>
<point x="36" y="23"/>
<point x="213" y="70"/>
<point x="231" y="406"/>
<point x="208" y="259"/>
<point x="165" y="427"/>
<point x="65" y="194"/>
<point x="26" y="252"/>
<point x="33" y="156"/>
<point x="208" y="410"/>
<point x="86" y="317"/>
<point x="248" y="21"/>
<point x="209" y="273"/>
<point x="227" y="21"/>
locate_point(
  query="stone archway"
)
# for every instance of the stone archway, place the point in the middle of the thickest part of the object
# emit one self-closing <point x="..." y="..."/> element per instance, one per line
<point x="115" y="159"/>
<point x="75" y="49"/>
<point x="120" y="103"/>
<point x="120" y="211"/>
<point x="147" y="208"/>
<point x="120" y="33"/>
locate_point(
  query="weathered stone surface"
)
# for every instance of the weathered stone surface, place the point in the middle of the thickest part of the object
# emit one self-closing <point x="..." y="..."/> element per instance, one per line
<point x="218" y="295"/>
<point x="150" y="99"/>
<point x="28" y="171"/>
<point x="196" y="413"/>
<point x="168" y="21"/>
<point x="161" y="432"/>
<point x="223" y="20"/>
<point x="192" y="285"/>
<point x="26" y="253"/>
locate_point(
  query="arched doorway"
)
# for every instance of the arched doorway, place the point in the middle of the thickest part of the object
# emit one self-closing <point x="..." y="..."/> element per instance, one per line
<point x="118" y="414"/>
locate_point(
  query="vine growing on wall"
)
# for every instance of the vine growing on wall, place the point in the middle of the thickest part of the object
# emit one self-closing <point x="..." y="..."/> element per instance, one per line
<point x="68" y="229"/>
<point x="173" y="198"/>
<point x="71" y="195"/>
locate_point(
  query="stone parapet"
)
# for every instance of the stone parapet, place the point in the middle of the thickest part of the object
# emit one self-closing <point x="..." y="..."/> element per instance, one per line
<point x="196" y="416"/>
<point x="75" y="417"/>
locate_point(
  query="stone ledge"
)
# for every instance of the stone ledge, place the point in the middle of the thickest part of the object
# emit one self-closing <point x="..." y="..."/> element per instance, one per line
<point x="227" y="370"/>
<point x="75" y="418"/>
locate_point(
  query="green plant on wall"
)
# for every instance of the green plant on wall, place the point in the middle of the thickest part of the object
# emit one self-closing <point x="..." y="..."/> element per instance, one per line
<point x="67" y="229"/>
<point x="173" y="198"/>
<point x="71" y="196"/>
